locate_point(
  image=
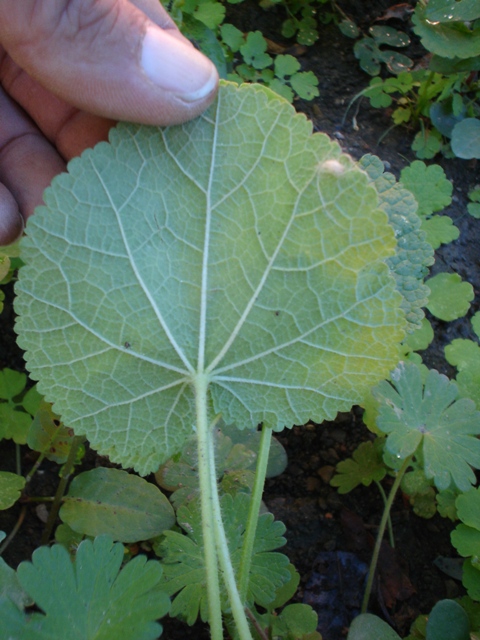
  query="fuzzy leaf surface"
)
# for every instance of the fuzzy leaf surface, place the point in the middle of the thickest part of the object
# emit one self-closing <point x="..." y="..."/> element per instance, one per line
<point x="237" y="248"/>
<point x="92" y="598"/>
<point x="413" y="253"/>
<point x="430" y="417"/>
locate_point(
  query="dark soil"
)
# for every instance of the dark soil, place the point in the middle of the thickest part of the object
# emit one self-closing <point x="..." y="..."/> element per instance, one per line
<point x="329" y="536"/>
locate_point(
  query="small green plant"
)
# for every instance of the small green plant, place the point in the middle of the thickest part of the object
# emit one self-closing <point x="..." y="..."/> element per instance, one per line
<point x="441" y="103"/>
<point x="243" y="57"/>
<point x="427" y="428"/>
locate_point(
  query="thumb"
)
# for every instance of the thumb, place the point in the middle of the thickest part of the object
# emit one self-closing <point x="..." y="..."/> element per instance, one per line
<point x="115" y="58"/>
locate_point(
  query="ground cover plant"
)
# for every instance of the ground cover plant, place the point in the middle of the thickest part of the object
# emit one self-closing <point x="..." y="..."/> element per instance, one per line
<point x="277" y="253"/>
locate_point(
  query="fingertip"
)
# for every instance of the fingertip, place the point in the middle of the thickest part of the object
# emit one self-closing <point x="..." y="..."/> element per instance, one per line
<point x="11" y="221"/>
<point x="177" y="67"/>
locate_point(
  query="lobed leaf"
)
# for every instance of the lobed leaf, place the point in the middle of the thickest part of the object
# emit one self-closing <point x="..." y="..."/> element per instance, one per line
<point x="430" y="419"/>
<point x="239" y="249"/>
<point x="365" y="466"/>
<point x="92" y="598"/>
<point x="429" y="185"/>
<point x="440" y="230"/>
<point x="183" y="558"/>
<point x="450" y="296"/>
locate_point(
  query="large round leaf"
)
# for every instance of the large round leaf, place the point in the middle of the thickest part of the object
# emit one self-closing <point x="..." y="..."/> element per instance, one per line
<point x="238" y="250"/>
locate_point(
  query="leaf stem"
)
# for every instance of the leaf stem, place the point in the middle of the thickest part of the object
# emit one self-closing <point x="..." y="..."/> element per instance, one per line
<point x="236" y="602"/>
<point x="253" y="513"/>
<point x="14" y="531"/>
<point x="381" y="531"/>
<point x="62" y="485"/>
<point x="207" y="483"/>
<point x="389" y="521"/>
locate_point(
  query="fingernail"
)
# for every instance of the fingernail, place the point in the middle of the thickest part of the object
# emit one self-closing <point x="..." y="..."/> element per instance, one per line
<point x="176" y="67"/>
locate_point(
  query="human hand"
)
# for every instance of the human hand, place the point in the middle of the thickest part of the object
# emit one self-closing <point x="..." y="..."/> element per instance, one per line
<point x="68" y="70"/>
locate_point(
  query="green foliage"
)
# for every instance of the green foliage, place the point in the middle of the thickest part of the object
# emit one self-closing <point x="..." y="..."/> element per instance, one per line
<point x="448" y="621"/>
<point x="466" y="539"/>
<point x="16" y="406"/>
<point x="285" y="78"/>
<point x="465" y="355"/>
<point x="11" y="486"/>
<point x="235" y="457"/>
<point x="136" y="317"/>
<point x="413" y="253"/>
<point x="294" y="622"/>
<point x="440" y="230"/>
<point x="450" y="296"/>
<point x="114" y="502"/>
<point x="452" y="39"/>
<point x="182" y="557"/>
<point x="473" y="206"/>
<point x="243" y="57"/>
<point x="92" y="598"/>
<point x="429" y="185"/>
<point x="48" y="435"/>
<point x="420" y="493"/>
<point x="424" y="97"/>
<point x="364" y="467"/>
<point x="10" y="588"/>
<point x="367" y="626"/>
<point x="466" y="138"/>
<point x="427" y="420"/>
<point x="371" y="56"/>
<point x="433" y="193"/>
<point x="452" y="10"/>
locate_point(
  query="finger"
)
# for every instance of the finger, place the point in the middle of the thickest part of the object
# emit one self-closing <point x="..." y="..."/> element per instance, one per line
<point x="11" y="222"/>
<point x="70" y="130"/>
<point x="28" y="163"/>
<point x="107" y="57"/>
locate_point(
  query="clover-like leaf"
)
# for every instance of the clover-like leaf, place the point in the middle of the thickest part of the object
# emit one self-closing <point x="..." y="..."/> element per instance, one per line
<point x="238" y="253"/>
<point x="450" y="296"/>
<point x="429" y="185"/>
<point x="91" y="598"/>
<point x="183" y="558"/>
<point x="431" y="419"/>
<point x="364" y="467"/>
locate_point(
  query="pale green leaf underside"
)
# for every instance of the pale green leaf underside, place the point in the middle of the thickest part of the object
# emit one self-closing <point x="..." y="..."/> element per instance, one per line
<point x="239" y="246"/>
